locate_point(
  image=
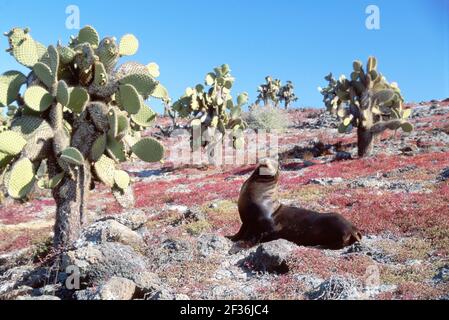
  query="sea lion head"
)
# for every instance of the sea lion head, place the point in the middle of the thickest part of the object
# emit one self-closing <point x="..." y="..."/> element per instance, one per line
<point x="267" y="170"/>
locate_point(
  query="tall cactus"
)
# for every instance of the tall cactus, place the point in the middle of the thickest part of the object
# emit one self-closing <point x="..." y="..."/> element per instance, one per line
<point x="79" y="118"/>
<point x="212" y="108"/>
<point x="269" y="91"/>
<point x="368" y="102"/>
<point x="287" y="94"/>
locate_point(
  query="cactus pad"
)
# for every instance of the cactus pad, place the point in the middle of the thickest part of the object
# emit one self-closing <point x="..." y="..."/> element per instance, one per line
<point x="121" y="179"/>
<point x="51" y="59"/>
<point x="89" y="35"/>
<point x="28" y="52"/>
<point x="101" y="76"/>
<point x="407" y="127"/>
<point x="79" y="98"/>
<point x="66" y="54"/>
<point x="128" y="98"/>
<point x="116" y="150"/>
<point x="148" y="150"/>
<point x="55" y="181"/>
<point x="242" y="99"/>
<point x="98" y="148"/>
<point x="128" y="45"/>
<point x="160" y="92"/>
<point x="10" y="83"/>
<point x="153" y="68"/>
<point x="145" y="117"/>
<point x="62" y="93"/>
<point x="113" y="122"/>
<point x="37" y="98"/>
<point x="72" y="156"/>
<point x="21" y="179"/>
<point x="11" y="143"/>
<point x="144" y="83"/>
<point x="105" y="170"/>
<point x="384" y="96"/>
<point x="44" y="73"/>
<point x="98" y="112"/>
<point x="123" y="126"/>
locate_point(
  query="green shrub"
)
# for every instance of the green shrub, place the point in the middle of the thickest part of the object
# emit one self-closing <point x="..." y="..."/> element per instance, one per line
<point x="267" y="118"/>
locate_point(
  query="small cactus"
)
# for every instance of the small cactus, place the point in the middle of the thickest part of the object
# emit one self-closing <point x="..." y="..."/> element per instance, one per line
<point x="366" y="101"/>
<point x="80" y="114"/>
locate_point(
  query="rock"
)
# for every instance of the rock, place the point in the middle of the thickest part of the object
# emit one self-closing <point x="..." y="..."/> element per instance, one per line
<point x="172" y="251"/>
<point x="271" y="257"/>
<point x="110" y="231"/>
<point x="326" y="181"/>
<point x="310" y="280"/>
<point x="167" y="295"/>
<point x="49" y="290"/>
<point x="115" y="289"/>
<point x="15" y="258"/>
<point x="186" y="215"/>
<point x="335" y="288"/>
<point x="15" y="292"/>
<point x="343" y="156"/>
<point x="177" y="208"/>
<point x="39" y="298"/>
<point x="211" y="243"/>
<point x="134" y="219"/>
<point x="98" y="263"/>
<point x="444" y="176"/>
<point x="442" y="275"/>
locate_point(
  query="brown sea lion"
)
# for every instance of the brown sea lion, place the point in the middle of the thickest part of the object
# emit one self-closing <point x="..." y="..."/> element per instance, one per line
<point x="265" y="219"/>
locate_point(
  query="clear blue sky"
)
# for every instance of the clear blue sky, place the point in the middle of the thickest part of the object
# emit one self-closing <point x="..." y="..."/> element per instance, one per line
<point x="289" y="39"/>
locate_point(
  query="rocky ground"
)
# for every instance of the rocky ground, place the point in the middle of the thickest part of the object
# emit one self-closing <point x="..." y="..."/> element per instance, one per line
<point x="172" y="243"/>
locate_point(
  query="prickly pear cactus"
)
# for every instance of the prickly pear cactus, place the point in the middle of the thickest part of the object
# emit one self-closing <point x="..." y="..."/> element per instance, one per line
<point x="366" y="101"/>
<point x="79" y="113"/>
<point x="211" y="107"/>
<point x="269" y="91"/>
<point x="287" y="94"/>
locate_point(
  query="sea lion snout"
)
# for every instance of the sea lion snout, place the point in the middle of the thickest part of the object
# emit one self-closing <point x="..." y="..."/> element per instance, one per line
<point x="268" y="167"/>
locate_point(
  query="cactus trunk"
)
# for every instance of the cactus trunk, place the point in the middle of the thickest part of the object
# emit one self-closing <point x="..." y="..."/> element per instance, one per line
<point x="71" y="199"/>
<point x="365" y="142"/>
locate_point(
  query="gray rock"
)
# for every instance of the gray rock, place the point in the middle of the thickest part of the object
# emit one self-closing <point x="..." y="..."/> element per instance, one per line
<point x="15" y="258"/>
<point x="326" y="181"/>
<point x="14" y="292"/>
<point x="442" y="275"/>
<point x="444" y="176"/>
<point x="39" y="298"/>
<point x="271" y="257"/>
<point x="134" y="219"/>
<point x="99" y="263"/>
<point x="335" y="288"/>
<point x="115" y="289"/>
<point x="211" y="243"/>
<point x="110" y="231"/>
<point x="172" y="251"/>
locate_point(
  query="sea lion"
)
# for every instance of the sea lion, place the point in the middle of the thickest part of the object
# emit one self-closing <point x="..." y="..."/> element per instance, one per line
<point x="265" y="219"/>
